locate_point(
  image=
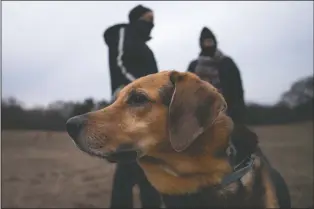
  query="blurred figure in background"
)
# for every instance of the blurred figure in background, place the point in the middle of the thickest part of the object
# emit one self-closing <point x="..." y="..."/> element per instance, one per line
<point x="221" y="71"/>
<point x="130" y="58"/>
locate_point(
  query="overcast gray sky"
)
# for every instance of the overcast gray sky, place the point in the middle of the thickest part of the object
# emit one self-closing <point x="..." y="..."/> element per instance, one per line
<point x="55" y="50"/>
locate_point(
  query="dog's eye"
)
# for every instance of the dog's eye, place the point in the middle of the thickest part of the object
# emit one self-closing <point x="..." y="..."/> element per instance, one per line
<point x="137" y="99"/>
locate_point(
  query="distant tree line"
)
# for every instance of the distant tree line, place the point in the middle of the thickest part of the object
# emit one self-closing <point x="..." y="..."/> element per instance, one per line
<point x="14" y="116"/>
<point x="295" y="105"/>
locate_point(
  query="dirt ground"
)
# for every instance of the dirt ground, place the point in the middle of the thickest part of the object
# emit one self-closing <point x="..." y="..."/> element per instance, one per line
<point x="45" y="169"/>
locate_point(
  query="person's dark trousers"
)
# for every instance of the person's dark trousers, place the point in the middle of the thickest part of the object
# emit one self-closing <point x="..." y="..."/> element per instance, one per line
<point x="125" y="177"/>
<point x="244" y="140"/>
<point x="150" y="197"/>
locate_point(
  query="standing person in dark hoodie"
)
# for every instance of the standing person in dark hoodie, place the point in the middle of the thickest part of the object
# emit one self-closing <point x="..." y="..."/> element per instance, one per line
<point x="129" y="55"/>
<point x="221" y="71"/>
<point x="130" y="58"/>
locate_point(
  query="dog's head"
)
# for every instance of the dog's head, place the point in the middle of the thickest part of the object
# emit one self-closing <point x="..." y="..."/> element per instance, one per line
<point x="166" y="107"/>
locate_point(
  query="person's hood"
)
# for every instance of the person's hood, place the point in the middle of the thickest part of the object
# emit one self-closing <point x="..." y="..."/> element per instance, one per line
<point x="111" y="34"/>
<point x="207" y="33"/>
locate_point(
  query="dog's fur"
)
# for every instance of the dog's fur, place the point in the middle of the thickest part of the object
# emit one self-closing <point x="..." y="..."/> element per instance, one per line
<point x="178" y="125"/>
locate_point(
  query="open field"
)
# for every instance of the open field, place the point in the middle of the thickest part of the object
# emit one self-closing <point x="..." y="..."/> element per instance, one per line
<point x="45" y="169"/>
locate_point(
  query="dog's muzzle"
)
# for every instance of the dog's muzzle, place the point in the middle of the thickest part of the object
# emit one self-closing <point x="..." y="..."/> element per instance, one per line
<point x="125" y="153"/>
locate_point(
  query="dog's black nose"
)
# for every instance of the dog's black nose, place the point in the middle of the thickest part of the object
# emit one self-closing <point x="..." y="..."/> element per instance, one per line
<point x="75" y="124"/>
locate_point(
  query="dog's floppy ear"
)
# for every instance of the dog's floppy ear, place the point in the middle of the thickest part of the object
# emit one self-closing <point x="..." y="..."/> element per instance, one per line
<point x="194" y="106"/>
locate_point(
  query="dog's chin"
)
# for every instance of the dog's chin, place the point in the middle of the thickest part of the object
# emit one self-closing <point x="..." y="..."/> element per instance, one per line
<point x="127" y="156"/>
<point x="120" y="156"/>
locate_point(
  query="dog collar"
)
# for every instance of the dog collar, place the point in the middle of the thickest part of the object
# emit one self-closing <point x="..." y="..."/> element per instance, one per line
<point x="240" y="169"/>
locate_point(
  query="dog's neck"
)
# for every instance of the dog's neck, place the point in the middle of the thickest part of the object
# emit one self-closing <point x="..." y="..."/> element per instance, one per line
<point x="203" y="164"/>
<point x="240" y="169"/>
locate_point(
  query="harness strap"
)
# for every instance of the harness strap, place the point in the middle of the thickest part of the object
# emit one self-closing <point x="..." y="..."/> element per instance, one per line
<point x="240" y="169"/>
<point x="238" y="173"/>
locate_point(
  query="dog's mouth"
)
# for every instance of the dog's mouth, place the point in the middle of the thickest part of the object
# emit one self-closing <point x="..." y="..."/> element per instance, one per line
<point x="123" y="154"/>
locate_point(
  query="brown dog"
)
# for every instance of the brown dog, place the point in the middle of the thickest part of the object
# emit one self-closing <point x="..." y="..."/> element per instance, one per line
<point x="175" y="126"/>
